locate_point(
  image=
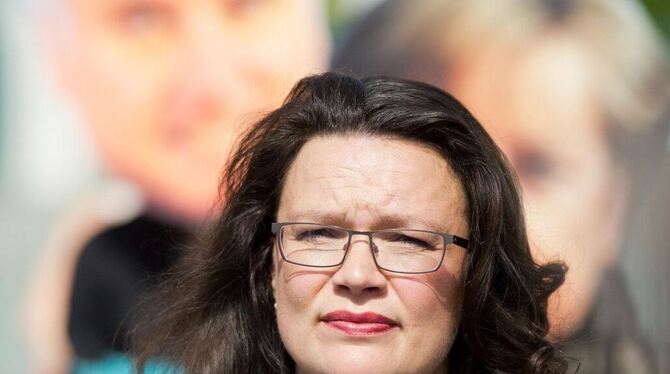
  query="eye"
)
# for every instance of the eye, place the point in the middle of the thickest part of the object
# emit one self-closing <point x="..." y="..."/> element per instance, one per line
<point x="241" y="7"/>
<point x="534" y="166"/>
<point x="138" y="17"/>
<point x="408" y="241"/>
<point x="317" y="234"/>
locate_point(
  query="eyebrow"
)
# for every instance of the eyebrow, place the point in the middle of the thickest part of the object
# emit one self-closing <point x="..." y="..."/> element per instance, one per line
<point x="381" y="222"/>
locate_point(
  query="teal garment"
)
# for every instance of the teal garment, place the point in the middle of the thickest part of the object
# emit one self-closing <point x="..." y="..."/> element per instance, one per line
<point x="120" y="364"/>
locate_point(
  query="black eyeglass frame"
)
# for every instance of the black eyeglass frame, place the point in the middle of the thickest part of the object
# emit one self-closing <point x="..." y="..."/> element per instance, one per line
<point x="276" y="229"/>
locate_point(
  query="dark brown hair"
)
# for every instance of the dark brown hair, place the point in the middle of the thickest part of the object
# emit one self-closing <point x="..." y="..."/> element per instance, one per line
<point x="215" y="313"/>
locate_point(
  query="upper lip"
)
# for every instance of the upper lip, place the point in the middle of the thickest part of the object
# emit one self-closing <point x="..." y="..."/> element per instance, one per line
<point x="366" y="317"/>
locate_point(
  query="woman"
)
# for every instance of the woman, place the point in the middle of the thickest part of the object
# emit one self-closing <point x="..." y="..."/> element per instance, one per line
<point x="316" y="264"/>
<point x="583" y="121"/>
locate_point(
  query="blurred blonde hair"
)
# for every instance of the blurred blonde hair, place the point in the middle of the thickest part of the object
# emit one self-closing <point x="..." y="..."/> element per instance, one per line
<point x="421" y="39"/>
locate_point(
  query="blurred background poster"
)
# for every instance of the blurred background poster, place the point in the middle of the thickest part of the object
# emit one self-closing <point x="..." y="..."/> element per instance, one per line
<point x="116" y="117"/>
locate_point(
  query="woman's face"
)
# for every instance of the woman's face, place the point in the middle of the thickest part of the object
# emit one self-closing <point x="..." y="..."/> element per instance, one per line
<point x="540" y="106"/>
<point x="368" y="183"/>
<point x="167" y="85"/>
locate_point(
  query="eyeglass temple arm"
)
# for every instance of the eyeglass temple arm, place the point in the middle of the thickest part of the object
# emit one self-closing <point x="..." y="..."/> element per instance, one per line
<point x="461" y="242"/>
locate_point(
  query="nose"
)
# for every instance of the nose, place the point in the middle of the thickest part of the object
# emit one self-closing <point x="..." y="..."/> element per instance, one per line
<point x="208" y="82"/>
<point x="359" y="274"/>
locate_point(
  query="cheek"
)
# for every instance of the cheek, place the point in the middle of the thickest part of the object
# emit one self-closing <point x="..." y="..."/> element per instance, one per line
<point x="297" y="287"/>
<point x="106" y="84"/>
<point x="295" y="292"/>
<point x="571" y="225"/>
<point x="433" y="301"/>
<point x="431" y="310"/>
<point x="568" y="223"/>
<point x="135" y="141"/>
<point x="567" y="214"/>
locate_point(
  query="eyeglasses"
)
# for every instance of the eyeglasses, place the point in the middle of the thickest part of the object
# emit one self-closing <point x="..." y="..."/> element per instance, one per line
<point x="404" y="251"/>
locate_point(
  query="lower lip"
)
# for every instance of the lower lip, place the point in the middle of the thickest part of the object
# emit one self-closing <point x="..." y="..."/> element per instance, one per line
<point x="365" y="329"/>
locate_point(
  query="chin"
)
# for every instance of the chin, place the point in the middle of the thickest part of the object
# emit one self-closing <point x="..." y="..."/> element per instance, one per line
<point x="188" y="210"/>
<point x="356" y="361"/>
<point x="346" y="365"/>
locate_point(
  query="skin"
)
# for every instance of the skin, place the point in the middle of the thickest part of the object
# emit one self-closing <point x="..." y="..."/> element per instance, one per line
<point x="367" y="183"/>
<point x="166" y="86"/>
<point x="540" y="106"/>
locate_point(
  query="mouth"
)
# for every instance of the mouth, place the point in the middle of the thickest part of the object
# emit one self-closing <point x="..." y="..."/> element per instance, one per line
<point x="359" y="324"/>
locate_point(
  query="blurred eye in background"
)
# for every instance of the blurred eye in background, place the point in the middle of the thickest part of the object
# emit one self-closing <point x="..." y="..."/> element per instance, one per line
<point x="534" y="167"/>
<point x="243" y="7"/>
<point x="145" y="17"/>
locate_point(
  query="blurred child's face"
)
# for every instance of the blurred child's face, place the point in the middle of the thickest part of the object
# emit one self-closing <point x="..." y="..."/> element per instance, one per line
<point x="166" y="86"/>
<point x="540" y="107"/>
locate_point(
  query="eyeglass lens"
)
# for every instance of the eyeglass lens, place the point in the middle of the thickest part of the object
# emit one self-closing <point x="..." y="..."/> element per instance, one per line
<point x="394" y="250"/>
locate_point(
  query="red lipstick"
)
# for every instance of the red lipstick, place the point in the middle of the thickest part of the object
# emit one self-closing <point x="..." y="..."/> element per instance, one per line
<point x="367" y="323"/>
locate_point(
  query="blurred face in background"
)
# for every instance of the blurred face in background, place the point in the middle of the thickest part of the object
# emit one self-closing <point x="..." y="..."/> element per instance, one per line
<point x="541" y="108"/>
<point x="166" y="86"/>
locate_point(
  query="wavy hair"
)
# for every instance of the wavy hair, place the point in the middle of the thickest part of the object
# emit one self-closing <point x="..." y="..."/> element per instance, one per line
<point x="215" y="314"/>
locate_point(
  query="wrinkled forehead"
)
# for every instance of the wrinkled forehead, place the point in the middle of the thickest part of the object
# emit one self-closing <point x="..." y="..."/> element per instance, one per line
<point x="367" y="181"/>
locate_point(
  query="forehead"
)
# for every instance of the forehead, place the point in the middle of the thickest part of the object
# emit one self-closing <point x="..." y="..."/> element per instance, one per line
<point x="544" y="92"/>
<point x="367" y="182"/>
